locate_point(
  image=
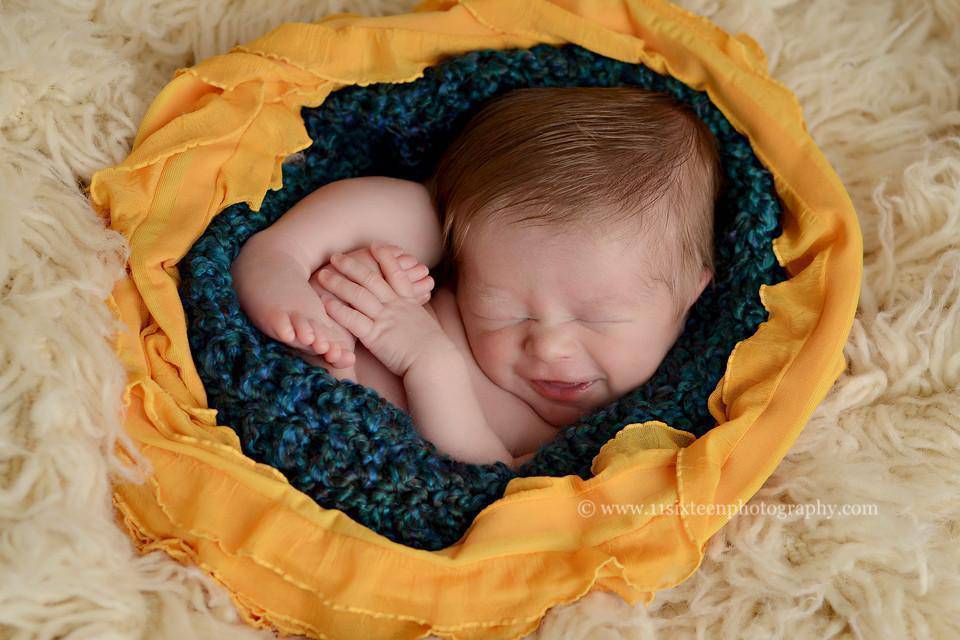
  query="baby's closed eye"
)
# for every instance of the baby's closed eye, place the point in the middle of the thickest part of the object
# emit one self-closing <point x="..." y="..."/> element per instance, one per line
<point x="525" y="318"/>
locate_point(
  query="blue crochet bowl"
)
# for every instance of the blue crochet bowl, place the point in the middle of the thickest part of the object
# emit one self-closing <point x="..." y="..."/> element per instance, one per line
<point x="345" y="446"/>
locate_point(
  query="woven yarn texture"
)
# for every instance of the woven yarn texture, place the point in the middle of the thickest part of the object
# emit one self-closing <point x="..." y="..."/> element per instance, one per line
<point x="345" y="446"/>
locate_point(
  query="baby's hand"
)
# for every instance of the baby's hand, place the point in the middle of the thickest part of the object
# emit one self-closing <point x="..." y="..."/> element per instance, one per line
<point x="340" y="354"/>
<point x="384" y="315"/>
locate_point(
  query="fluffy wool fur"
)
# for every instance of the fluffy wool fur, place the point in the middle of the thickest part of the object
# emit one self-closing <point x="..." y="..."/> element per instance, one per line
<point x="878" y="85"/>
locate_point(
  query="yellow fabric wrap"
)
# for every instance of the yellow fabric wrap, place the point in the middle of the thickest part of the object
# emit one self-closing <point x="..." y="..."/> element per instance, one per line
<point x="217" y="134"/>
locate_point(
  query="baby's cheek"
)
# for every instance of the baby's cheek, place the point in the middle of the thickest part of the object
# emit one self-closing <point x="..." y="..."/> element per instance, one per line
<point x="631" y="365"/>
<point x="496" y="351"/>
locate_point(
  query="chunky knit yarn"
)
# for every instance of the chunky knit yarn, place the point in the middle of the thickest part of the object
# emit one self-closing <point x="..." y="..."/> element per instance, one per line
<point x="345" y="446"/>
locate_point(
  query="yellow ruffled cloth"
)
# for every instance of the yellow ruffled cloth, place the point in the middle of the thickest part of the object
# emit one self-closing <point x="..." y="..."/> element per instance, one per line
<point x="217" y="134"/>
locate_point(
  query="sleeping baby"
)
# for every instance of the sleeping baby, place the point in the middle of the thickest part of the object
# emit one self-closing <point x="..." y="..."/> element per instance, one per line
<point x="576" y="234"/>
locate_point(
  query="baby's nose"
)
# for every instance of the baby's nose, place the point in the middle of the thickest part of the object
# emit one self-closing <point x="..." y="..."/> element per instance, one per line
<point x="549" y="343"/>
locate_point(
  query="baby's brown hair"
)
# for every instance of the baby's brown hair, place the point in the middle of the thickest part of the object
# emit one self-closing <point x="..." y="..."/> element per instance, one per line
<point x="590" y="159"/>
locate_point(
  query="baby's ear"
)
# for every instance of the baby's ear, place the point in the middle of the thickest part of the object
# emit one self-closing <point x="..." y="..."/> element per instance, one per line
<point x="706" y="276"/>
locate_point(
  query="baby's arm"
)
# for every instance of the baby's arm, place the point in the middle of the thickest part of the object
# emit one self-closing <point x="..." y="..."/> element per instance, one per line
<point x="375" y="306"/>
<point x="446" y="410"/>
<point x="272" y="274"/>
<point x="358" y="212"/>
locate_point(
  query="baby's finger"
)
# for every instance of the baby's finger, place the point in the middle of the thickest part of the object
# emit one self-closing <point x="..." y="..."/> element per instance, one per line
<point x="417" y="272"/>
<point x="423" y="284"/>
<point x="350" y="319"/>
<point x="407" y="261"/>
<point x="358" y="284"/>
<point x="394" y="274"/>
<point x="302" y="326"/>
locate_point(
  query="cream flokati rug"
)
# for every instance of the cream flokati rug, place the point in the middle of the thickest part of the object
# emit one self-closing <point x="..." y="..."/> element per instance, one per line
<point x="880" y="87"/>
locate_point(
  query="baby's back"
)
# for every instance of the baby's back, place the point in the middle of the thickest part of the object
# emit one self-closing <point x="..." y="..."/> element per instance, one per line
<point x="519" y="427"/>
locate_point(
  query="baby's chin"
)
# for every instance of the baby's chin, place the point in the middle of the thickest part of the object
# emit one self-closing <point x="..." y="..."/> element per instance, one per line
<point x="562" y="414"/>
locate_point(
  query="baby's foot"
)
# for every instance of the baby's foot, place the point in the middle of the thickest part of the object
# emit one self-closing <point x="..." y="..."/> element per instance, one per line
<point x="309" y="329"/>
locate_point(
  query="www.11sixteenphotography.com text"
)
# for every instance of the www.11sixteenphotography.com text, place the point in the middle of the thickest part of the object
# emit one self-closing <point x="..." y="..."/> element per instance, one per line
<point x="591" y="508"/>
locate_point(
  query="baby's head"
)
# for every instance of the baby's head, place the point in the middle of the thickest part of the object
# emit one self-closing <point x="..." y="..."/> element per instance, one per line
<point x="578" y="233"/>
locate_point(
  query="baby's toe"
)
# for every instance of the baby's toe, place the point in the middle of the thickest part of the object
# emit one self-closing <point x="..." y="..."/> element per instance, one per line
<point x="347" y="359"/>
<point x="319" y="341"/>
<point x="284" y="330"/>
<point x="333" y="353"/>
<point x="302" y="327"/>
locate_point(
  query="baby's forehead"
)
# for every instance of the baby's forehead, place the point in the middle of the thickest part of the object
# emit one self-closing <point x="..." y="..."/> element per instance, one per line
<point x="577" y="253"/>
<point x="575" y="279"/>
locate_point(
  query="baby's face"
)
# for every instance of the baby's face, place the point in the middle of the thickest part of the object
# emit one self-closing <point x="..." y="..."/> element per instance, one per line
<point x="541" y="306"/>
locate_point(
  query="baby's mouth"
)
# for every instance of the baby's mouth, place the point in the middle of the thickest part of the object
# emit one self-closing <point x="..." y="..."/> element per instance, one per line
<point x="565" y="385"/>
<point x="560" y="390"/>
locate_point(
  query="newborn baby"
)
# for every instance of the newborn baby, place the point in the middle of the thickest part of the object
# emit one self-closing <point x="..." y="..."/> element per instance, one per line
<point x="577" y="233"/>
